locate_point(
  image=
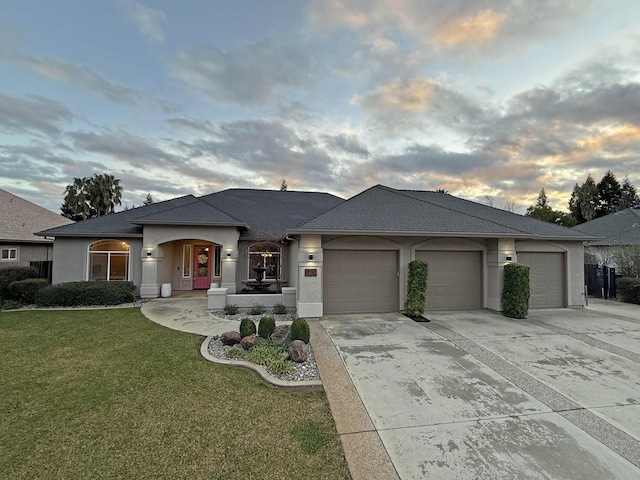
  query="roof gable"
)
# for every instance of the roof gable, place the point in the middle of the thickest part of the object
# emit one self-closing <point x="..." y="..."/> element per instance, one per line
<point x="382" y="209"/>
<point x="21" y="219"/>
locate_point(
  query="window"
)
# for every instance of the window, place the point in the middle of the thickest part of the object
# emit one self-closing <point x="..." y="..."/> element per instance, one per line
<point x="264" y="257"/>
<point x="186" y="261"/>
<point x="9" y="254"/>
<point x="216" y="260"/>
<point x="108" y="261"/>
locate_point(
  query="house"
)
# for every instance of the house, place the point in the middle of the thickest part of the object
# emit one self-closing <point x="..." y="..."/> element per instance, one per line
<point x="618" y="233"/>
<point x="333" y="255"/>
<point x="19" y="245"/>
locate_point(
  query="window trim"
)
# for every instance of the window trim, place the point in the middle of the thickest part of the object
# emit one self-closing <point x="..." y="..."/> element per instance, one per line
<point x="187" y="260"/>
<point x="9" y="258"/>
<point x="109" y="253"/>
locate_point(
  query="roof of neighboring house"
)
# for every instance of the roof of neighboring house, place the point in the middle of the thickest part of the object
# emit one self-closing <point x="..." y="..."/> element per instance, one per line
<point x="619" y="228"/>
<point x="384" y="210"/>
<point x="21" y="219"/>
<point x="260" y="213"/>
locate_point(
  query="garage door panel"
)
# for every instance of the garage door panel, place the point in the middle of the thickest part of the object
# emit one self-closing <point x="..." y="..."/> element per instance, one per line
<point x="546" y="278"/>
<point x="455" y="279"/>
<point x="360" y="281"/>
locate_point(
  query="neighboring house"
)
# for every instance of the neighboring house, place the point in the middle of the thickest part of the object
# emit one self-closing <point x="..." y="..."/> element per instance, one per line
<point x="19" y="221"/>
<point x="338" y="256"/>
<point x="619" y="230"/>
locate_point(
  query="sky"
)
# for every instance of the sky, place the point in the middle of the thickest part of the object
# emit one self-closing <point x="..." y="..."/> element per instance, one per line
<point x="490" y="100"/>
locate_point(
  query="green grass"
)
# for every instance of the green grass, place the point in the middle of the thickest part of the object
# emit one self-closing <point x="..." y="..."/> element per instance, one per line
<point x="108" y="394"/>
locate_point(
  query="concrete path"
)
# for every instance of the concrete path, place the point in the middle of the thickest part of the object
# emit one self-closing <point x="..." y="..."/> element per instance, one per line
<point x="477" y="395"/>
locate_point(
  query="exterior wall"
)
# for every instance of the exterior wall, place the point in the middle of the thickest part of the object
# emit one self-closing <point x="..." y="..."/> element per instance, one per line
<point x="574" y="265"/>
<point x="28" y="252"/>
<point x="496" y="254"/>
<point x="70" y="259"/>
<point x="161" y="255"/>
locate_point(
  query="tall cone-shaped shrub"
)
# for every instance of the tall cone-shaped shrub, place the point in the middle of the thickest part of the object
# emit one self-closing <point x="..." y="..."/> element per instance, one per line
<point x="416" y="300"/>
<point x="515" y="290"/>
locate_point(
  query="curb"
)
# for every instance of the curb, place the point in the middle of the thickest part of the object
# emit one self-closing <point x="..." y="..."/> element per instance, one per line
<point x="260" y="370"/>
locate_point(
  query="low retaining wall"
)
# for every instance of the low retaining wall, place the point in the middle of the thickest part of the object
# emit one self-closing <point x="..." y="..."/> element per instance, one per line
<point x="218" y="298"/>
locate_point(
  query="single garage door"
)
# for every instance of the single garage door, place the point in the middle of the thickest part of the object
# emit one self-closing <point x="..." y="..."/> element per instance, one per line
<point x="547" y="278"/>
<point x="454" y="281"/>
<point x="360" y="281"/>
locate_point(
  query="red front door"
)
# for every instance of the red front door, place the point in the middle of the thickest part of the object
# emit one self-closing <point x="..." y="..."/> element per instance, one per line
<point x="202" y="267"/>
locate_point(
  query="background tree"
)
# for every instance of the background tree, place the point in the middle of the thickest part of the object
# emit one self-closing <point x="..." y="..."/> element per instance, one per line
<point x="589" y="201"/>
<point x="543" y="211"/>
<point x="90" y="197"/>
<point x="148" y="200"/>
<point x="584" y="200"/>
<point x="609" y="195"/>
<point x="628" y="196"/>
<point x="283" y="186"/>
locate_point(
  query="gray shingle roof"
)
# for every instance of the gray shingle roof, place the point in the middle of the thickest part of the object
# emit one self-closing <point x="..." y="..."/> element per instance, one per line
<point x="382" y="209"/>
<point x="119" y="223"/>
<point x="260" y="213"/>
<point x="620" y="228"/>
<point x="21" y="219"/>
<point x="269" y="213"/>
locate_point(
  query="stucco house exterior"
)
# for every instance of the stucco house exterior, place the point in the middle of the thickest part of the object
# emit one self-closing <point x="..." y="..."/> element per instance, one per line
<point x="619" y="230"/>
<point x="332" y="255"/>
<point x="19" y="245"/>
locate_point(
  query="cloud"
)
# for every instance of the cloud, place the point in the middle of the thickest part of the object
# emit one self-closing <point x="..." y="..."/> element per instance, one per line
<point x="150" y="21"/>
<point x="250" y="74"/>
<point x="346" y="144"/>
<point x="412" y="103"/>
<point x="451" y="26"/>
<point x="33" y="114"/>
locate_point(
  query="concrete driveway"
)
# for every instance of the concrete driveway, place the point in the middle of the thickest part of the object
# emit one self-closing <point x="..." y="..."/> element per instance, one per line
<point x="475" y="395"/>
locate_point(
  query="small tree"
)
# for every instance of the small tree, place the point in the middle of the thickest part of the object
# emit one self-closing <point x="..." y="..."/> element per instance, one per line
<point x="148" y="200"/>
<point x="416" y="300"/>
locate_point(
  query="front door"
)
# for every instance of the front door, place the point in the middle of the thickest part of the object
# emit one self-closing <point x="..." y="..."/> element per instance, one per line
<point x="202" y="267"/>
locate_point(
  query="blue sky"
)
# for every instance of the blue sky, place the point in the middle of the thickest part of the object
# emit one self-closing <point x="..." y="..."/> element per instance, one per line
<point x="489" y="100"/>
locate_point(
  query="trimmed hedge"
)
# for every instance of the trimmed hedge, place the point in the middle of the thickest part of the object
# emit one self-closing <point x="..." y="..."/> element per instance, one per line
<point x="9" y="275"/>
<point x="266" y="326"/>
<point x="75" y="294"/>
<point x="416" y="300"/>
<point x="247" y="327"/>
<point x="629" y="289"/>
<point x="516" y="290"/>
<point x="25" y="291"/>
<point x="300" y="330"/>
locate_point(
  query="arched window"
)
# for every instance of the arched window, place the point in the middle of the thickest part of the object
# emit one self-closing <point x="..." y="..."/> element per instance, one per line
<point x="264" y="257"/>
<point x="108" y="261"/>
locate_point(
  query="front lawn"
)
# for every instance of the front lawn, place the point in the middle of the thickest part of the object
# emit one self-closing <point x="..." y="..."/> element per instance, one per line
<point x="108" y="394"/>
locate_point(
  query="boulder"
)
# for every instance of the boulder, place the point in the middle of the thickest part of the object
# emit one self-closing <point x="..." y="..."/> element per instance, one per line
<point x="281" y="335"/>
<point x="249" y="341"/>
<point x="230" y="338"/>
<point x="298" y="351"/>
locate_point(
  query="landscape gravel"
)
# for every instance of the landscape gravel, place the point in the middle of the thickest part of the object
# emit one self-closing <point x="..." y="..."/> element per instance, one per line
<point x="301" y="371"/>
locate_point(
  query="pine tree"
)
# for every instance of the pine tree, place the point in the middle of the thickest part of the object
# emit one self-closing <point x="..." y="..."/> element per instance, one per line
<point x="609" y="195"/>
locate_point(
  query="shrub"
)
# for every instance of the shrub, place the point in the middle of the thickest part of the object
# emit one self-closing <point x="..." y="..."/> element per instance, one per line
<point x="247" y="327"/>
<point x="629" y="289"/>
<point x="271" y="356"/>
<point x="9" y="304"/>
<point x="257" y="309"/>
<point x="14" y="274"/>
<point x="300" y="330"/>
<point x="230" y="309"/>
<point x="236" y="353"/>
<point x="515" y="290"/>
<point x="85" y="294"/>
<point x="266" y="326"/>
<point x="416" y="300"/>
<point x="25" y="290"/>
<point x="279" y="309"/>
